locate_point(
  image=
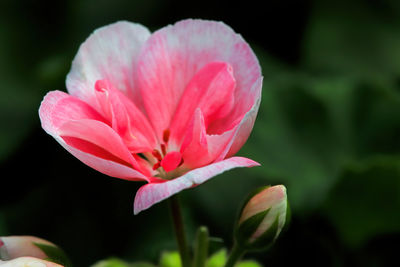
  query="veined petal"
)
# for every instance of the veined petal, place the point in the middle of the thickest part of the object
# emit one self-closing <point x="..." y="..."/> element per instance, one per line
<point x="125" y="118"/>
<point x="99" y="134"/>
<point x="58" y="107"/>
<point x="210" y="90"/>
<point x="174" y="54"/>
<point x="194" y="149"/>
<point x="153" y="193"/>
<point x="110" y="53"/>
<point x="107" y="166"/>
<point x="83" y="132"/>
<point x="200" y="148"/>
<point x="245" y="126"/>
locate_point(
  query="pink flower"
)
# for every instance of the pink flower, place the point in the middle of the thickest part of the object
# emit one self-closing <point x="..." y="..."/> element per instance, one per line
<point x="169" y="108"/>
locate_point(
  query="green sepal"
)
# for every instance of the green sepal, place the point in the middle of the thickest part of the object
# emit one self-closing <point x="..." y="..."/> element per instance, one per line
<point x="244" y="231"/>
<point x="54" y="254"/>
<point x="266" y="239"/>
<point x="247" y="199"/>
<point x="288" y="217"/>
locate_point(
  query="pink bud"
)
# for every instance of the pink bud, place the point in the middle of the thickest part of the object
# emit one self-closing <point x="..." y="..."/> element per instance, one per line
<point x="273" y="201"/>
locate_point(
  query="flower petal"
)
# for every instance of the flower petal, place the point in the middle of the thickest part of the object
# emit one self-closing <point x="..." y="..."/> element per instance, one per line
<point x="170" y="59"/>
<point x="58" y="107"/>
<point x="81" y="130"/>
<point x="211" y="90"/>
<point x="153" y="193"/>
<point x="106" y="166"/>
<point x="99" y="134"/>
<point x="171" y="161"/>
<point x="245" y="126"/>
<point x="110" y="53"/>
<point x="200" y="148"/>
<point x="126" y="119"/>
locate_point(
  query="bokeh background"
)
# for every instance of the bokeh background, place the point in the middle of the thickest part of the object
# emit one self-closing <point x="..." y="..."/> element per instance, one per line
<point x="328" y="128"/>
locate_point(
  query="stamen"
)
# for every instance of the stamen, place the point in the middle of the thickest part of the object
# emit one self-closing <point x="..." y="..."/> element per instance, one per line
<point x="166" y="134"/>
<point x="163" y="149"/>
<point x="157" y="154"/>
<point x="156" y="166"/>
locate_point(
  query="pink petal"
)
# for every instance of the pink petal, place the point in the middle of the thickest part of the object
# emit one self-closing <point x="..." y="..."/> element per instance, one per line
<point x="126" y="119"/>
<point x="171" y="161"/>
<point x="109" y="167"/>
<point x="153" y="193"/>
<point x="211" y="90"/>
<point x="110" y="53"/>
<point x="174" y="54"/>
<point x="243" y="130"/>
<point x="195" y="148"/>
<point x="81" y="130"/>
<point x="199" y="148"/>
<point x="99" y="134"/>
<point x="58" y="107"/>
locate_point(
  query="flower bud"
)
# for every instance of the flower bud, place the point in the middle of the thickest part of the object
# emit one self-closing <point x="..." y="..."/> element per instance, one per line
<point x="262" y="218"/>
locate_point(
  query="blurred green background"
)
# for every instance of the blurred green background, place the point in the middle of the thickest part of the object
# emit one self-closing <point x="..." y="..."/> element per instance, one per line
<point x="328" y="128"/>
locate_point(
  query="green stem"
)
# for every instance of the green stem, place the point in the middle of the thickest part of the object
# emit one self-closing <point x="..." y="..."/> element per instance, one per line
<point x="236" y="253"/>
<point x="201" y="247"/>
<point x="179" y="230"/>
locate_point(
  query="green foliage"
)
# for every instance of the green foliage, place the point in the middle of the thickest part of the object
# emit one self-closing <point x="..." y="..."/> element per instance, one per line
<point x="248" y="263"/>
<point x="54" y="254"/>
<point x="218" y="259"/>
<point x="364" y="202"/>
<point x="115" y="262"/>
<point x="112" y="262"/>
<point x="170" y="259"/>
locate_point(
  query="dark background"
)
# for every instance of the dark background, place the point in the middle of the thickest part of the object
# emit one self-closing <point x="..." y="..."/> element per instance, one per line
<point x="328" y="128"/>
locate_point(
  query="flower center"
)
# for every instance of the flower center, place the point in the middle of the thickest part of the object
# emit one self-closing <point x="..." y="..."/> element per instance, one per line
<point x="166" y="161"/>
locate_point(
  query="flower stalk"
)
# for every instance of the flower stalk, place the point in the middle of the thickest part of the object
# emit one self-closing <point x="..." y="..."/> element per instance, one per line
<point x="201" y="247"/>
<point x="179" y="230"/>
<point x="236" y="253"/>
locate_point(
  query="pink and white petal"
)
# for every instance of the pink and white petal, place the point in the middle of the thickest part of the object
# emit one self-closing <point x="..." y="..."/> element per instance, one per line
<point x="170" y="59"/>
<point x="58" y="107"/>
<point x="245" y="127"/>
<point x="153" y="193"/>
<point x="110" y="53"/>
<point x="126" y="119"/>
<point x="199" y="148"/>
<point x="62" y="114"/>
<point x="28" y="261"/>
<point x="108" y="166"/>
<point x="210" y="90"/>
<point x="99" y="134"/>
<point x="194" y="148"/>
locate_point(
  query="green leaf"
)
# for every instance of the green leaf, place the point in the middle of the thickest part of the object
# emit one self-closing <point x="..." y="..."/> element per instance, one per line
<point x="115" y="262"/>
<point x="366" y="200"/>
<point x="352" y="38"/>
<point x="248" y="263"/>
<point x="54" y="254"/>
<point x="112" y="262"/>
<point x="170" y="259"/>
<point x="218" y="259"/>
